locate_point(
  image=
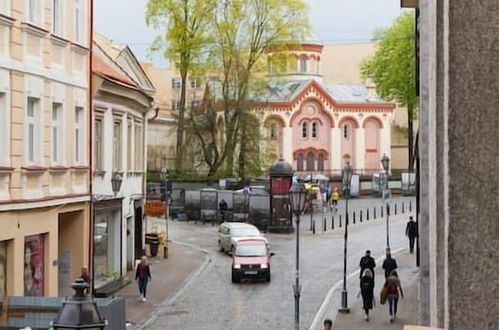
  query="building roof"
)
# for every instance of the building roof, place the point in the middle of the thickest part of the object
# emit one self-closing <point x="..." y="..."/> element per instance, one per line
<point x="100" y="66"/>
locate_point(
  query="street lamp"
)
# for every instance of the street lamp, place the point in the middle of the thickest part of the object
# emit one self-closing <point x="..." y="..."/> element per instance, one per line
<point x="79" y="311"/>
<point x="164" y="175"/>
<point x="298" y="198"/>
<point x="385" y="161"/>
<point x="116" y="181"/>
<point x="346" y="177"/>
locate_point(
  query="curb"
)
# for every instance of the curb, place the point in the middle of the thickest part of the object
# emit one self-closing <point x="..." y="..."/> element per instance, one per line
<point x="179" y="290"/>
<point x="316" y="322"/>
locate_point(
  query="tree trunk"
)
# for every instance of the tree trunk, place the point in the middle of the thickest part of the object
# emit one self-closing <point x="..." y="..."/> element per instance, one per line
<point x="180" y="126"/>
<point x="410" y="131"/>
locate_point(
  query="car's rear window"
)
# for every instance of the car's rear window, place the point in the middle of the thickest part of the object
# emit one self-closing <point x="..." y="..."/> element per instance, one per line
<point x="244" y="232"/>
<point x="253" y="250"/>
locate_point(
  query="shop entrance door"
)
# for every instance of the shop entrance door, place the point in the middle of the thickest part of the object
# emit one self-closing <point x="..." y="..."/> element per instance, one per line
<point x="139" y="250"/>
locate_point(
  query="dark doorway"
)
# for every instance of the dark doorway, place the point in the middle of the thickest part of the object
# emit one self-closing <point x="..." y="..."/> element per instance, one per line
<point x="139" y="251"/>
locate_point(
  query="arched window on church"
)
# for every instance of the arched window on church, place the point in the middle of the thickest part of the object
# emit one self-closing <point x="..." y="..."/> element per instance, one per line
<point x="299" y="163"/>
<point x="273" y="131"/>
<point x="303" y="64"/>
<point x="320" y="162"/>
<point x="345" y="131"/>
<point x="304" y="130"/>
<point x="310" y="162"/>
<point x="314" y="129"/>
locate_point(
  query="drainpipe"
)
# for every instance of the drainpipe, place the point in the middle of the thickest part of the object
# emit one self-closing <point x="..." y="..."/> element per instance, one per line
<point x="90" y="39"/>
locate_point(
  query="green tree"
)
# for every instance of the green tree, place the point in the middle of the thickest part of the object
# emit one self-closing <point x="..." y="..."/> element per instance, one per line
<point x="392" y="69"/>
<point x="186" y="24"/>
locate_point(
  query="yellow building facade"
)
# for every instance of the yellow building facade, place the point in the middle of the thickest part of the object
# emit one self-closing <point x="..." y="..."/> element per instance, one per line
<point x="44" y="145"/>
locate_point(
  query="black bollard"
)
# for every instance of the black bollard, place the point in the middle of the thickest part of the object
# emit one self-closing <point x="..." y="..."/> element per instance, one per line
<point x="382" y="211"/>
<point x="360" y="215"/>
<point x="324" y="224"/>
<point x="395" y="208"/>
<point x="410" y="206"/>
<point x="313" y="227"/>
<point x="332" y="222"/>
<point x="340" y="220"/>
<point x="403" y="208"/>
<point x="354" y="217"/>
<point x="367" y="214"/>
<point x="374" y="212"/>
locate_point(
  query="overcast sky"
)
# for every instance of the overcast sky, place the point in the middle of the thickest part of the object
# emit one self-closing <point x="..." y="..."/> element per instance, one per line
<point x="333" y="21"/>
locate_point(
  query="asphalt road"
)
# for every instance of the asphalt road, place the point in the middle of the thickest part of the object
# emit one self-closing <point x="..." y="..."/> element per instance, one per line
<point x="211" y="301"/>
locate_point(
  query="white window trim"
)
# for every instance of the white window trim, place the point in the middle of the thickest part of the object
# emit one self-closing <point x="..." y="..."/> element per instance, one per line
<point x="5" y="7"/>
<point x="99" y="117"/>
<point x="57" y="157"/>
<point x="37" y="131"/>
<point x="118" y="120"/>
<point x="62" y="18"/>
<point x="79" y="145"/>
<point x="38" y="17"/>
<point x="79" y="22"/>
<point x="5" y="122"/>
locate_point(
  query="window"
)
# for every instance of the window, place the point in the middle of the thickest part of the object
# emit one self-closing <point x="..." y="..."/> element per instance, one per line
<point x="194" y="104"/>
<point x="299" y="163"/>
<point x="195" y="83"/>
<point x="34" y="11"/>
<point x="345" y="131"/>
<point x="5" y="7"/>
<point x="303" y="64"/>
<point x="98" y="144"/>
<point x="129" y="152"/>
<point x="314" y="130"/>
<point x="318" y="68"/>
<point x="310" y="162"/>
<point x="138" y="147"/>
<point x="79" y="21"/>
<point x="79" y="141"/>
<point x="33" y="130"/>
<point x="117" y="145"/>
<point x="273" y="131"/>
<point x="176" y="83"/>
<point x="57" y="17"/>
<point x="304" y="130"/>
<point x="4" y="124"/>
<point x="176" y="105"/>
<point x="320" y="162"/>
<point x="34" y="265"/>
<point x="56" y="132"/>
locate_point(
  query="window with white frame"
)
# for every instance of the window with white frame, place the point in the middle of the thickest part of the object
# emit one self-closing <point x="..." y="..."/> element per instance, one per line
<point x="56" y="133"/>
<point x="79" y="21"/>
<point x="176" y="105"/>
<point x="4" y="124"/>
<point x="117" y="145"/>
<point x="303" y="64"/>
<point x="57" y="17"/>
<point x="129" y="146"/>
<point x="176" y="83"/>
<point x="79" y="137"/>
<point x="138" y="147"/>
<point x="34" y="11"/>
<point x="99" y="144"/>
<point x="33" y="131"/>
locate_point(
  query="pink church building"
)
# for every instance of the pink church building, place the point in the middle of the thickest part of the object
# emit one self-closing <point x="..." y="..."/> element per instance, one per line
<point x="318" y="126"/>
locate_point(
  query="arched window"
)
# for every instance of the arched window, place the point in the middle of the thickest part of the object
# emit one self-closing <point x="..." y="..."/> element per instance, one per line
<point x="310" y="162"/>
<point x="304" y="130"/>
<point x="273" y="131"/>
<point x="345" y="131"/>
<point x="299" y="163"/>
<point x="320" y="163"/>
<point x="318" y="70"/>
<point x="314" y="129"/>
<point x="303" y="64"/>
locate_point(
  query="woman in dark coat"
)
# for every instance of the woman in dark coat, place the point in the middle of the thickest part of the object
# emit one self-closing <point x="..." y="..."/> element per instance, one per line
<point x="143" y="275"/>
<point x="367" y="290"/>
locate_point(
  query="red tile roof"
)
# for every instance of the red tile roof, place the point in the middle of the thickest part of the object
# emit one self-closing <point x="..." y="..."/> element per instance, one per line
<point x="101" y="67"/>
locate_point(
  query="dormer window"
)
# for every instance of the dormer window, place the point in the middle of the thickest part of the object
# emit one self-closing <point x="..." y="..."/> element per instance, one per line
<point x="303" y="64"/>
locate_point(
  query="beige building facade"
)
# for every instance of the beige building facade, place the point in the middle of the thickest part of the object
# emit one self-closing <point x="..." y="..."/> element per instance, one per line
<point x="44" y="154"/>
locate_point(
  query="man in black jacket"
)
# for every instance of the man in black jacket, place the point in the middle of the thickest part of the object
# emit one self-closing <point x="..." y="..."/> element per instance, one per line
<point x="389" y="264"/>
<point x="367" y="262"/>
<point x="411" y="231"/>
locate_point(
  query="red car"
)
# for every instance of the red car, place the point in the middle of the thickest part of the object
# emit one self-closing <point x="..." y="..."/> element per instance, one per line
<point x="251" y="259"/>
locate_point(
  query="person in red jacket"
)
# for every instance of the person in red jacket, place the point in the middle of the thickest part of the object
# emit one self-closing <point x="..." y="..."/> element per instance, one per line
<point x="143" y="275"/>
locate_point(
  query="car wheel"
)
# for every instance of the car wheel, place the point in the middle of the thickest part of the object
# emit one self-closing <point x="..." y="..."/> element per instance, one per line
<point x="267" y="278"/>
<point x="235" y="278"/>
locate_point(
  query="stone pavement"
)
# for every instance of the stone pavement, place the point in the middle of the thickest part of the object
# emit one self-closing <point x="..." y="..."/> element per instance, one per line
<point x="379" y="318"/>
<point x="168" y="276"/>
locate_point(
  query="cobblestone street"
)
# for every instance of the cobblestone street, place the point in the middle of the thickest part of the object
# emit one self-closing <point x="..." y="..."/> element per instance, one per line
<point x="211" y="301"/>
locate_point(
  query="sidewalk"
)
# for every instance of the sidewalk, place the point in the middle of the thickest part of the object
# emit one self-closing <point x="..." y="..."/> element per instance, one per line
<point x="167" y="276"/>
<point x="379" y="318"/>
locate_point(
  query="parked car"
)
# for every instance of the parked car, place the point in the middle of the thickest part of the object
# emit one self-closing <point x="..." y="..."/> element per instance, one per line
<point x="251" y="259"/>
<point x="230" y="232"/>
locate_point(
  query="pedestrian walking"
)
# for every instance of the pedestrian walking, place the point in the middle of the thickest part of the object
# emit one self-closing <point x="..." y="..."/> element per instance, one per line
<point x="328" y="324"/>
<point x="367" y="291"/>
<point x="143" y="275"/>
<point x="222" y="206"/>
<point x="389" y="264"/>
<point x="367" y="262"/>
<point x="411" y="231"/>
<point x="335" y="197"/>
<point x="393" y="289"/>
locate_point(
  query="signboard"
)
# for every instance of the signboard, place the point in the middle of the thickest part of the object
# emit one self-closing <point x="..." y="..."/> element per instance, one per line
<point x="280" y="186"/>
<point x="154" y="208"/>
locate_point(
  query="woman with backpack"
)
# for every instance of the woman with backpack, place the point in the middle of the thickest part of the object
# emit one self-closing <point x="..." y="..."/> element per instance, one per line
<point x="367" y="290"/>
<point x="393" y="288"/>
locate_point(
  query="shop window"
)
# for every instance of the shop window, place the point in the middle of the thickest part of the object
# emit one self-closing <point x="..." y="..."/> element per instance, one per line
<point x="34" y="266"/>
<point x="304" y="130"/>
<point x="107" y="253"/>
